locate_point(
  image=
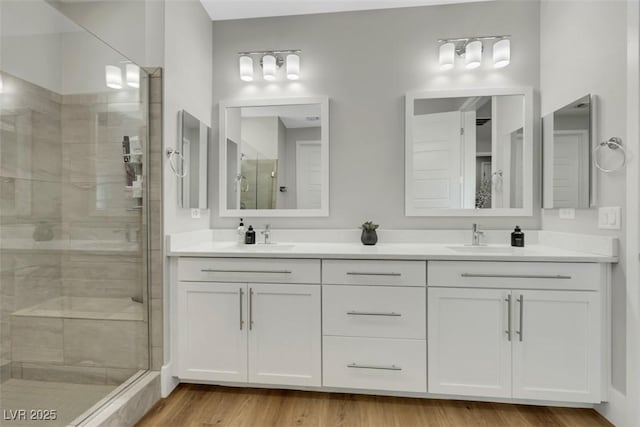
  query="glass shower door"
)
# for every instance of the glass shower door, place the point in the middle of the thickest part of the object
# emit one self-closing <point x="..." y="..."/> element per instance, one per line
<point x="73" y="217"/>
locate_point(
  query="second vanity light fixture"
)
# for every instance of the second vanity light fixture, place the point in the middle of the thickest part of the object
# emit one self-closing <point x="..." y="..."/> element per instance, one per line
<point x="270" y="61"/>
<point x="470" y="49"/>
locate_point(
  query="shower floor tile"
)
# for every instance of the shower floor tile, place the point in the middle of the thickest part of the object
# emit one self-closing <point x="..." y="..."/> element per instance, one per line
<point x="69" y="400"/>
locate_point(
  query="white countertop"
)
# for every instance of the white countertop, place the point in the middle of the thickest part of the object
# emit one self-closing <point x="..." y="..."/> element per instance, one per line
<point x="404" y="251"/>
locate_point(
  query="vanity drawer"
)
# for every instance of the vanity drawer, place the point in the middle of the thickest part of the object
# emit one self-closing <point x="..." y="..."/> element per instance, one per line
<point x="535" y="275"/>
<point x="374" y="311"/>
<point x="375" y="364"/>
<point x="249" y="270"/>
<point x="370" y="272"/>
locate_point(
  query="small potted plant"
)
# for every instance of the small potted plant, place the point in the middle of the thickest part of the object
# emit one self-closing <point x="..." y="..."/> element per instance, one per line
<point x="369" y="235"/>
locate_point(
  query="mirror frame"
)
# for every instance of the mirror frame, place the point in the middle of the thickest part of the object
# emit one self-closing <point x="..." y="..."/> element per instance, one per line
<point x="528" y="152"/>
<point x="222" y="150"/>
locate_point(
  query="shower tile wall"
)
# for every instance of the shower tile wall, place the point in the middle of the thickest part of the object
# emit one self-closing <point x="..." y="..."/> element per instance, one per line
<point x="155" y="228"/>
<point x="67" y="176"/>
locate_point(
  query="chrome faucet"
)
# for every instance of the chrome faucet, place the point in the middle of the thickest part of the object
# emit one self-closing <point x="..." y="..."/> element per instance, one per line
<point x="475" y="235"/>
<point x="267" y="234"/>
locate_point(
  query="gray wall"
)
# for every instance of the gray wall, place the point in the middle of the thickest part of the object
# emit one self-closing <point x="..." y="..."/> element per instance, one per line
<point x="365" y="62"/>
<point x="595" y="65"/>
<point x="187" y="86"/>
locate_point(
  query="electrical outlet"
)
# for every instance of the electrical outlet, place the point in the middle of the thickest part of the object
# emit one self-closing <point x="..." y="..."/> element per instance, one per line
<point x="195" y="213"/>
<point x="567" y="213"/>
<point x="609" y="218"/>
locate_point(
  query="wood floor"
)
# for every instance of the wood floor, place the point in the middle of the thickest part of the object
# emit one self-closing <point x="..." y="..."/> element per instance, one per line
<point x="199" y="405"/>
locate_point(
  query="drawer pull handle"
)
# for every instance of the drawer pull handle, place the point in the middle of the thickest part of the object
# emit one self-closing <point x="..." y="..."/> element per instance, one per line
<point x="516" y="276"/>
<point x="206" y="270"/>
<point x="356" y="273"/>
<point x="381" y="367"/>
<point x="373" y="313"/>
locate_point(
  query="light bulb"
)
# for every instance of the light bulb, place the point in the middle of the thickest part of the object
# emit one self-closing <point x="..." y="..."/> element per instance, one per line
<point x="269" y="67"/>
<point x="501" y="53"/>
<point x="133" y="75"/>
<point x="246" y="68"/>
<point x="113" y="76"/>
<point x="473" y="54"/>
<point x="447" y="56"/>
<point x="293" y="66"/>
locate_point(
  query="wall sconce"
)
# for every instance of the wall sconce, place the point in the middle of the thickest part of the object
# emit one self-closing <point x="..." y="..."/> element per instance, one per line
<point x="270" y="61"/>
<point x="470" y="48"/>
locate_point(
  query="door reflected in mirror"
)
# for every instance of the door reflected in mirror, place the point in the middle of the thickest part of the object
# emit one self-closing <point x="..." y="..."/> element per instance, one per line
<point x="567" y="155"/>
<point x="466" y="153"/>
<point x="274" y="158"/>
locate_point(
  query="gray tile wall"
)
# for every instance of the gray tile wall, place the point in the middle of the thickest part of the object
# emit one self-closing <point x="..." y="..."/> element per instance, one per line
<point x="62" y="168"/>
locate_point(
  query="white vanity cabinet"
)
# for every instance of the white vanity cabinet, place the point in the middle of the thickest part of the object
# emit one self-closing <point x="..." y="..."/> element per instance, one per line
<point x="256" y="332"/>
<point x="501" y="337"/>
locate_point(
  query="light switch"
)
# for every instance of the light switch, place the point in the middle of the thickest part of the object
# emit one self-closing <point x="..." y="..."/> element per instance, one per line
<point x="567" y="213"/>
<point x="609" y="218"/>
<point x="195" y="213"/>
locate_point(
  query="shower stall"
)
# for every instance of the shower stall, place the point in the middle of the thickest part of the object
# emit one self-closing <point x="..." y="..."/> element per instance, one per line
<point x="74" y="241"/>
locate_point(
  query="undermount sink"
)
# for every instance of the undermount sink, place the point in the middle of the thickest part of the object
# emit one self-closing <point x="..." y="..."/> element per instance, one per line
<point x="482" y="249"/>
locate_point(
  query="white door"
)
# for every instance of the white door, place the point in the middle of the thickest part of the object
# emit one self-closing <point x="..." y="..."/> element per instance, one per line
<point x="570" y="169"/>
<point x="437" y="169"/>
<point x="308" y="174"/>
<point x="469" y="348"/>
<point x="556" y="349"/>
<point x="285" y="334"/>
<point x="212" y="331"/>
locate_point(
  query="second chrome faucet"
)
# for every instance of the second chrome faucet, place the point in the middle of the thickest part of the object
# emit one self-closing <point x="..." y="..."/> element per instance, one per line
<point x="475" y="235"/>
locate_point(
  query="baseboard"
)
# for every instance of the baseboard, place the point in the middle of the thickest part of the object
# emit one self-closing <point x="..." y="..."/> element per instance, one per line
<point x="615" y="409"/>
<point x="167" y="381"/>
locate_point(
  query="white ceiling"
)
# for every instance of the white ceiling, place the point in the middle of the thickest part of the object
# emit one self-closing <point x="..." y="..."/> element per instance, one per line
<point x="240" y="9"/>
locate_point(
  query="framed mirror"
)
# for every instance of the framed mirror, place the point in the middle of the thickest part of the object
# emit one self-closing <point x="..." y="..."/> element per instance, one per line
<point x="567" y="136"/>
<point x="469" y="153"/>
<point x="274" y="157"/>
<point x="193" y="143"/>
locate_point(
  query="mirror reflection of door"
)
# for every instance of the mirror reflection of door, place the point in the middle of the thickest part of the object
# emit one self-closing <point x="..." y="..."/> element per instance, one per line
<point x="308" y="174"/>
<point x="275" y="158"/>
<point x="569" y="171"/>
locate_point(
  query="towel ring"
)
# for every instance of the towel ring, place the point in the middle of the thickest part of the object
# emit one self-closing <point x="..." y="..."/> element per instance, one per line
<point x="172" y="153"/>
<point x="613" y="143"/>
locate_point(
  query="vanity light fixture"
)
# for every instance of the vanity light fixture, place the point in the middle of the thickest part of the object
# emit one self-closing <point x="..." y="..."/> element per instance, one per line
<point x="270" y="61"/>
<point x="246" y="68"/>
<point x="470" y="49"/>
<point x="113" y="76"/>
<point x="133" y="75"/>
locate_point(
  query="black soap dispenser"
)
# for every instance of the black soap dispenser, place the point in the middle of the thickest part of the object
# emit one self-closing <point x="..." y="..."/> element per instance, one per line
<point x="517" y="238"/>
<point x="250" y="236"/>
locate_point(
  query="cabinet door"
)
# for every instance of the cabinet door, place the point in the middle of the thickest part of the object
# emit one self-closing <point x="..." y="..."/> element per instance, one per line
<point x="284" y="334"/>
<point x="212" y="331"/>
<point x="469" y="352"/>
<point x="556" y="350"/>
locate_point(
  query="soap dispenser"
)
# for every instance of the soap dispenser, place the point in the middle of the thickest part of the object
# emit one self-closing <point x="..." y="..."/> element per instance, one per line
<point x="250" y="236"/>
<point x="241" y="231"/>
<point x="517" y="238"/>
